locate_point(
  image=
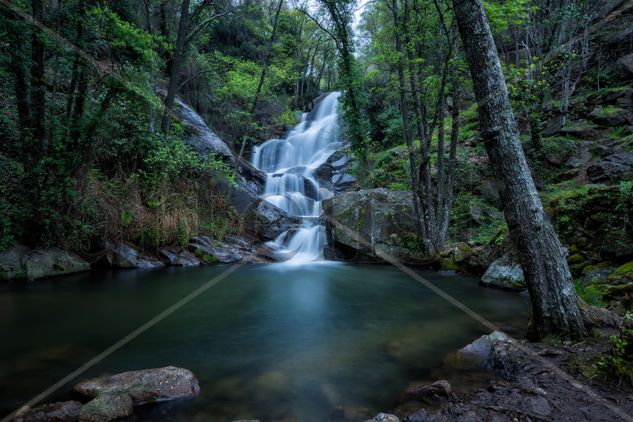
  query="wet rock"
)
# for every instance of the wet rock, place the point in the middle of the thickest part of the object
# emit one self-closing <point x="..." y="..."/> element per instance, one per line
<point x="509" y="359"/>
<point x="144" y="386"/>
<point x="212" y="252"/>
<point x="12" y="262"/>
<point x="199" y="136"/>
<point x="266" y="221"/>
<point x="384" y="417"/>
<point x="482" y="347"/>
<point x="614" y="168"/>
<point x="439" y="390"/>
<point x="125" y="255"/>
<point x="504" y="273"/>
<point x="50" y="262"/>
<point x="179" y="257"/>
<point x="107" y="407"/>
<point x="66" y="411"/>
<point x="343" y="182"/>
<point x="376" y="223"/>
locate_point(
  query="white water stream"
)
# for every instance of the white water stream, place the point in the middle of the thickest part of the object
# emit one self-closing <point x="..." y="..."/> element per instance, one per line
<point x="290" y="164"/>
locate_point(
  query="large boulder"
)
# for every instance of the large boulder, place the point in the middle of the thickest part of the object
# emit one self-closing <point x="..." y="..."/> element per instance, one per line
<point x="369" y="224"/>
<point x="614" y="168"/>
<point x="50" y="262"/>
<point x="67" y="411"/>
<point x="12" y="262"/>
<point x="107" y="407"/>
<point x="199" y="136"/>
<point x="211" y="251"/>
<point x="265" y="221"/>
<point x="504" y="273"/>
<point x="611" y="116"/>
<point x="144" y="386"/>
<point x="125" y="255"/>
<point x="179" y="257"/>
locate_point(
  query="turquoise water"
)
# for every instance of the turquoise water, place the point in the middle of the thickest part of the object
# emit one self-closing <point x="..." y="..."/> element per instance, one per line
<point x="268" y="342"/>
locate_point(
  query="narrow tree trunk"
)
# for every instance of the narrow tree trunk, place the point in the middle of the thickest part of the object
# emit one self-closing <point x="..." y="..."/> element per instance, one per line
<point x="20" y="84"/>
<point x="556" y="308"/>
<point x="447" y="204"/>
<point x="405" y="119"/>
<point x="38" y="87"/>
<point x="269" y="49"/>
<point x="176" y="64"/>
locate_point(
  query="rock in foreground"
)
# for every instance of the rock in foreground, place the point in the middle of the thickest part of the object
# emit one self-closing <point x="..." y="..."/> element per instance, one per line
<point x="107" y="407"/>
<point x="66" y="411"/>
<point x="504" y="273"/>
<point x="144" y="386"/>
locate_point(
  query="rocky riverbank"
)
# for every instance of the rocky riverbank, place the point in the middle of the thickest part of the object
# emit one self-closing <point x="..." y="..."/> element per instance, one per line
<point x="542" y="382"/>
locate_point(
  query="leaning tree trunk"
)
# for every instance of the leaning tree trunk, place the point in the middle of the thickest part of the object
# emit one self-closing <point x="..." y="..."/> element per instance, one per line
<point x="556" y="308"/>
<point x="176" y="63"/>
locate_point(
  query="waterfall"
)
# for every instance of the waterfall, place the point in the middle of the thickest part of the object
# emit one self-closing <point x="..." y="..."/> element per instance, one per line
<point x="291" y="185"/>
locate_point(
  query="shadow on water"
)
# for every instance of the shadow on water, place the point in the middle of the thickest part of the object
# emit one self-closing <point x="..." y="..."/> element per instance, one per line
<point x="268" y="342"/>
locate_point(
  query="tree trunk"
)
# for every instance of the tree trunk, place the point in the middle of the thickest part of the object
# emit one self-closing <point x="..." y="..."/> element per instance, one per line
<point x="404" y="112"/>
<point x="176" y="64"/>
<point x="38" y="87"/>
<point x="20" y="84"/>
<point x="262" y="77"/>
<point x="447" y="202"/>
<point x="556" y="308"/>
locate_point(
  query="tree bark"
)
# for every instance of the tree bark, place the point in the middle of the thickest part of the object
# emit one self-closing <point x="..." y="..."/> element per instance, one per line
<point x="269" y="49"/>
<point x="38" y="87"/>
<point x="176" y="64"/>
<point x="556" y="308"/>
<point x="404" y="112"/>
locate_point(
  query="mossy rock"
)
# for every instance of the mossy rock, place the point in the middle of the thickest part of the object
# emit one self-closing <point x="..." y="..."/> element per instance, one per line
<point x="107" y="407"/>
<point x="623" y="274"/>
<point x="449" y="264"/>
<point x="577" y="258"/>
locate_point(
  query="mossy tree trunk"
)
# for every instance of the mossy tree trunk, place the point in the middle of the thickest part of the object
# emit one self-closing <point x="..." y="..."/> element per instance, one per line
<point x="556" y="308"/>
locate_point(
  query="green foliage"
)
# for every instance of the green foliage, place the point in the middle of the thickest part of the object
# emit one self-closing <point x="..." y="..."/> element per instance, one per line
<point x="618" y="363"/>
<point x="503" y="14"/>
<point x="592" y="294"/>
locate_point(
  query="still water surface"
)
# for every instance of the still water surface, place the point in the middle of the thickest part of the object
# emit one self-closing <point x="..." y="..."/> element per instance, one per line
<point x="268" y="342"/>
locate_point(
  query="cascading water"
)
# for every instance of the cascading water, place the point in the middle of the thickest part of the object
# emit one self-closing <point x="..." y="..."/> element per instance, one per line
<point x="291" y="185"/>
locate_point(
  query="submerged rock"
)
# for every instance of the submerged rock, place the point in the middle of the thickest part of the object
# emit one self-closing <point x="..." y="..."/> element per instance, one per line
<point x="67" y="411"/>
<point x="107" y="407"/>
<point x="50" y="262"/>
<point x="504" y="273"/>
<point x="144" y="386"/>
